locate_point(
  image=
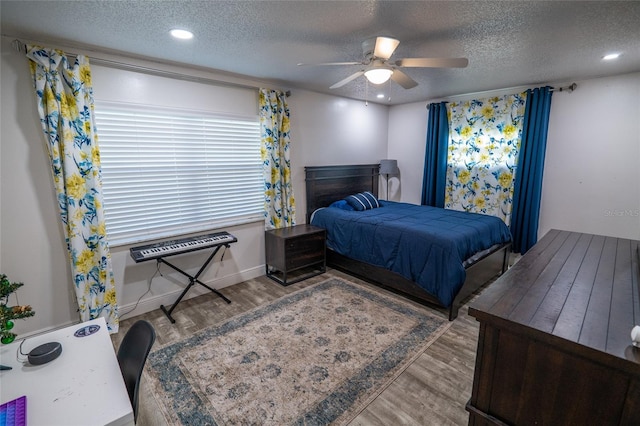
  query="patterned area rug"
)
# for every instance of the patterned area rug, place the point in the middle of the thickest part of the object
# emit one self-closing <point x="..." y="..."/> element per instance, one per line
<point x="316" y="356"/>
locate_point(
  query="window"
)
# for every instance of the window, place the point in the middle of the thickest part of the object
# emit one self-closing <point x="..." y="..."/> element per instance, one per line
<point x="167" y="172"/>
<point x="484" y="144"/>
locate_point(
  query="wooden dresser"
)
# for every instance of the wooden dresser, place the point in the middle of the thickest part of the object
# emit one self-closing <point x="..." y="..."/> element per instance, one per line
<point x="554" y="346"/>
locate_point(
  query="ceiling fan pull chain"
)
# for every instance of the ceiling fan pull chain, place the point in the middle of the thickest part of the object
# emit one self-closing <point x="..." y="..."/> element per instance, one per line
<point x="366" y="92"/>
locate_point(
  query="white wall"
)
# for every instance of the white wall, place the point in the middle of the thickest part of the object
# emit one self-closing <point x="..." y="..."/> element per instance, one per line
<point x="591" y="179"/>
<point x="325" y="130"/>
<point x="407" y="144"/>
<point x="328" y="130"/>
<point x="592" y="167"/>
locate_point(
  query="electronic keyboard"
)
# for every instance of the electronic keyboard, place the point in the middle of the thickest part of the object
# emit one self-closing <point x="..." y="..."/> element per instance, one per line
<point x="184" y="245"/>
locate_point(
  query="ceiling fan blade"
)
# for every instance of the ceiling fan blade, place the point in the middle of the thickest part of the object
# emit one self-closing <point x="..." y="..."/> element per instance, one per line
<point x="346" y="80"/>
<point x="331" y="63"/>
<point x="433" y="62"/>
<point x="403" y="80"/>
<point x="385" y="46"/>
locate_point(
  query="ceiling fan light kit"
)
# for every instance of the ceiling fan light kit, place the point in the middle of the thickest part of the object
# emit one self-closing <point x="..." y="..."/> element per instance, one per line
<point x="378" y="75"/>
<point x="378" y="68"/>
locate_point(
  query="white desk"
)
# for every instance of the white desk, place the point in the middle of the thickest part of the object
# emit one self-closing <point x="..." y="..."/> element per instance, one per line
<point x="83" y="386"/>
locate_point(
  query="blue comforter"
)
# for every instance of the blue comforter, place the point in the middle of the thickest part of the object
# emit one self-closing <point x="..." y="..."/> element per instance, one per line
<point x="427" y="245"/>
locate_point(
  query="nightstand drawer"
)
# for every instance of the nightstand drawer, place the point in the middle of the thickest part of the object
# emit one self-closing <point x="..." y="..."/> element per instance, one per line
<point x="304" y="250"/>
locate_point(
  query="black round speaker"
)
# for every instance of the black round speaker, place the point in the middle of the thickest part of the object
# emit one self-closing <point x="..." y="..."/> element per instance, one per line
<point x="44" y="353"/>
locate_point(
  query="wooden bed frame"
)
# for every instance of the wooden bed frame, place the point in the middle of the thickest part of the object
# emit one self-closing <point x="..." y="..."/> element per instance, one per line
<point x="326" y="184"/>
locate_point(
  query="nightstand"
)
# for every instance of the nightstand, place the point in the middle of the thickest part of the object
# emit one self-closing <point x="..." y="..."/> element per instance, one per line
<point x="295" y="253"/>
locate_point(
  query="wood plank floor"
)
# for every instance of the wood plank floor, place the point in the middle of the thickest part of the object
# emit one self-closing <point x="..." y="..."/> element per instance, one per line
<point x="433" y="390"/>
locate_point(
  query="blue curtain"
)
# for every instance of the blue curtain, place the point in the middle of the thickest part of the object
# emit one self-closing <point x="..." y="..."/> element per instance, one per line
<point x="435" y="161"/>
<point x="528" y="185"/>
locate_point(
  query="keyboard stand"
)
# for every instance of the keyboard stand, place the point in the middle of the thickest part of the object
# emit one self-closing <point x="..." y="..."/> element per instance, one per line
<point x="192" y="281"/>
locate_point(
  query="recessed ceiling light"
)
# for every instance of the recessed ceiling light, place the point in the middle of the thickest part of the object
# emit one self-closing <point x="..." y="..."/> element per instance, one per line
<point x="380" y="95"/>
<point x="182" y="34"/>
<point x="611" y="56"/>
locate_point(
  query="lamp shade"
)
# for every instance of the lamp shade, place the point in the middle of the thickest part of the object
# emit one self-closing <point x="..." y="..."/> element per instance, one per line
<point x="389" y="167"/>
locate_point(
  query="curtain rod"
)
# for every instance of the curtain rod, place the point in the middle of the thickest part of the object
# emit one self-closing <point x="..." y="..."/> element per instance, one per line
<point x="21" y="47"/>
<point x="570" y="88"/>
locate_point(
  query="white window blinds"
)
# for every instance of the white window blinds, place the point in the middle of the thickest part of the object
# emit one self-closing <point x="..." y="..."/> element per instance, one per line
<point x="169" y="172"/>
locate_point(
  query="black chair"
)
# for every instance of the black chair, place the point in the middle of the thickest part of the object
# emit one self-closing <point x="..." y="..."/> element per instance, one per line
<point x="132" y="356"/>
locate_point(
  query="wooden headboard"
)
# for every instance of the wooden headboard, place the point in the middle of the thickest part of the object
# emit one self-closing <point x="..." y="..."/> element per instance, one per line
<point x="326" y="184"/>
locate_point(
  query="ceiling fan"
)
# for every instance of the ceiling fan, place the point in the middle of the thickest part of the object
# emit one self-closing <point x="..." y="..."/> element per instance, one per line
<point x="378" y="68"/>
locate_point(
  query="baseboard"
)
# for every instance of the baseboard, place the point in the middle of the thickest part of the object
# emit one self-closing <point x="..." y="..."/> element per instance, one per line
<point x="150" y="303"/>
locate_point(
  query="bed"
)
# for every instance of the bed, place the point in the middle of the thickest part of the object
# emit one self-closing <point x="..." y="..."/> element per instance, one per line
<point x="457" y="266"/>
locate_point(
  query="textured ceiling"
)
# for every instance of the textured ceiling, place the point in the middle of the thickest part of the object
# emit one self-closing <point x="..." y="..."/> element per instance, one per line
<point x="508" y="44"/>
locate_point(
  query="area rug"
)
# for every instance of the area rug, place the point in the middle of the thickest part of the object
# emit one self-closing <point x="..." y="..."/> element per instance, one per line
<point x="314" y="357"/>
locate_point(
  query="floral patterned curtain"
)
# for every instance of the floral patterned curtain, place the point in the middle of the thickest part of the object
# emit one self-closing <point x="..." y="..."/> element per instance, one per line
<point x="279" y="202"/>
<point x="484" y="143"/>
<point x="65" y="104"/>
